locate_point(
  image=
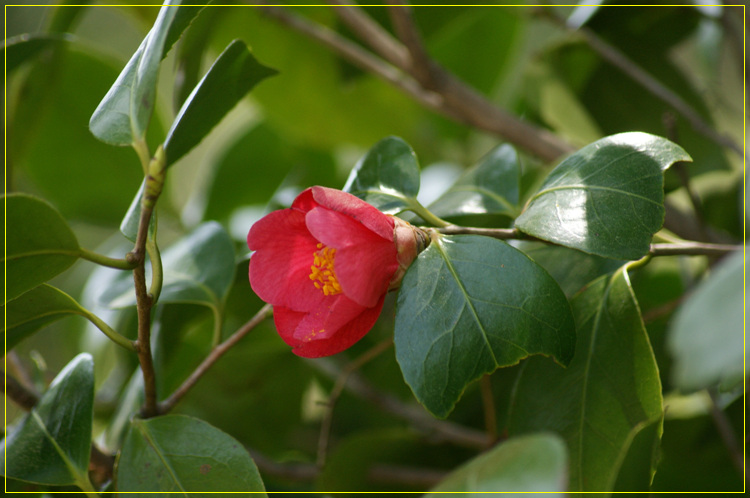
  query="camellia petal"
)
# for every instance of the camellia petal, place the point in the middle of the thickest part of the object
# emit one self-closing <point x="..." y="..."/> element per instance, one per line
<point x="283" y="254"/>
<point x="355" y="208"/>
<point x="349" y="334"/>
<point x="358" y="252"/>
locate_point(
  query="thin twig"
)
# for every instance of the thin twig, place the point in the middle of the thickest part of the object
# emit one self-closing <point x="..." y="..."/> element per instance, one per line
<point x="325" y="428"/>
<point x="655" y="87"/>
<point x="440" y="429"/>
<point x="216" y="353"/>
<point x="403" y="23"/>
<point x="378" y="473"/>
<point x="687" y="248"/>
<point x="16" y="391"/>
<point x="372" y="34"/>
<point x="488" y="404"/>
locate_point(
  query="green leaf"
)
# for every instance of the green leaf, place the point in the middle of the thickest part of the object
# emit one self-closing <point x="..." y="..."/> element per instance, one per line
<point x="570" y="268"/>
<point x="33" y="310"/>
<point x="123" y="115"/>
<point x="197" y="269"/>
<point x="234" y="73"/>
<point x="469" y="305"/>
<point x="639" y="464"/>
<point x="490" y="187"/>
<point x="41" y="244"/>
<point x="52" y="443"/>
<point x="183" y="455"/>
<point x="705" y="336"/>
<point x="535" y="463"/>
<point x="606" y="199"/>
<point x="387" y="176"/>
<point x="607" y="394"/>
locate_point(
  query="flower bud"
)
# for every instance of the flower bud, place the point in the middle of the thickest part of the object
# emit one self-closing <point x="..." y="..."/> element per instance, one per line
<point x="410" y="241"/>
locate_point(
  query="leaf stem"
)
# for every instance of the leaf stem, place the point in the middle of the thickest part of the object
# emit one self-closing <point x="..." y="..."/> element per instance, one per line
<point x="216" y="353"/>
<point x="100" y="259"/>
<point x="426" y="214"/>
<point x="115" y="336"/>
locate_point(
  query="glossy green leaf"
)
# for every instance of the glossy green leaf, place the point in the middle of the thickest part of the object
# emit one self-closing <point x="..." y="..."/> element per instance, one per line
<point x="387" y="176"/>
<point x="606" y="199"/>
<point x="638" y="467"/>
<point x="197" y="269"/>
<point x="535" y="463"/>
<point x="706" y="335"/>
<point x="469" y="305"/>
<point x="234" y="73"/>
<point x="34" y="309"/>
<point x="181" y="455"/>
<point x="571" y="269"/>
<point x="490" y="187"/>
<point x="608" y="393"/>
<point x="40" y="244"/>
<point x="124" y="113"/>
<point x="52" y="443"/>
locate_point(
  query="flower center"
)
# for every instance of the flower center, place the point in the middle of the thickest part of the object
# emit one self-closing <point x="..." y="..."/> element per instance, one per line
<point x="322" y="272"/>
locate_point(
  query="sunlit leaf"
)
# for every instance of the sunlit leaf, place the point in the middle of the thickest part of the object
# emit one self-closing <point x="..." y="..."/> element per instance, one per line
<point x="606" y="199"/>
<point x="179" y="454"/>
<point x="469" y="305"/>
<point x="605" y="397"/>
<point x="536" y="463"/>
<point x="706" y="335"/>
<point x="387" y="176"/>
<point x="490" y="187"/>
<point x="40" y="244"/>
<point x="234" y="73"/>
<point x="123" y="115"/>
<point x="51" y="445"/>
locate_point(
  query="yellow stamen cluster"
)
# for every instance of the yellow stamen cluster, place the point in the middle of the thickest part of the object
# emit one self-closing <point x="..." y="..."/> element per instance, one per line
<point x="322" y="272"/>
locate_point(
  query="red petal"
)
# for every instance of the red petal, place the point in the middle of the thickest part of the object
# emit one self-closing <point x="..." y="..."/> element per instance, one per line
<point x="365" y="262"/>
<point x="287" y="322"/>
<point x="304" y="201"/>
<point x="280" y="267"/>
<point x="356" y="208"/>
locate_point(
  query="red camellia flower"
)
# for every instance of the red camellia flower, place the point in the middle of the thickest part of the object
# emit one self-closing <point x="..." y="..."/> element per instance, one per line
<point x="326" y="264"/>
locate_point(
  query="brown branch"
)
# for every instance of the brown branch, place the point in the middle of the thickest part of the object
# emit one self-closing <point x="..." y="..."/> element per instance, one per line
<point x="727" y="433"/>
<point x="372" y="34"/>
<point x="16" y="391"/>
<point x="213" y="357"/>
<point x="618" y="59"/>
<point x="378" y="473"/>
<point x="325" y="428"/>
<point x="452" y="97"/>
<point x="403" y="23"/>
<point x="488" y="403"/>
<point x="687" y="248"/>
<point x="440" y="429"/>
